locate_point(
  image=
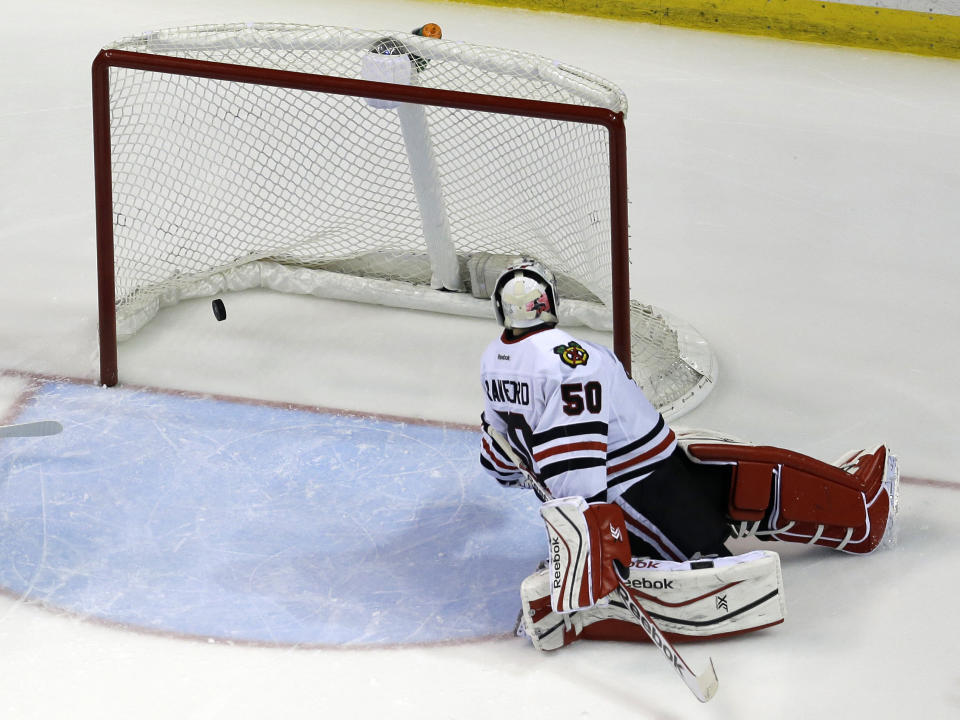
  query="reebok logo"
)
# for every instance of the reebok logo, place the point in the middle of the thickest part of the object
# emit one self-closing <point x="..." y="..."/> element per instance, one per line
<point x="555" y="551"/>
<point x="645" y="584"/>
<point x="501" y="356"/>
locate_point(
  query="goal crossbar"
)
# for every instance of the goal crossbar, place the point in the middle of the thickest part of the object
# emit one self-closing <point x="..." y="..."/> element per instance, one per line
<point x="612" y="121"/>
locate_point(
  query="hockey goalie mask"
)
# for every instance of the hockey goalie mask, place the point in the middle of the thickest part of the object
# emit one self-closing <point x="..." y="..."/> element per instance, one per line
<point x="525" y="296"/>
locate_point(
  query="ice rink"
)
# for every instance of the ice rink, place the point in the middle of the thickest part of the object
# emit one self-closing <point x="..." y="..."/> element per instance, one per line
<point x="797" y="203"/>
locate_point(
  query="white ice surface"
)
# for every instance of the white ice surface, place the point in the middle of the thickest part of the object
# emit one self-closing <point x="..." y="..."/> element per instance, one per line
<point x="798" y="204"/>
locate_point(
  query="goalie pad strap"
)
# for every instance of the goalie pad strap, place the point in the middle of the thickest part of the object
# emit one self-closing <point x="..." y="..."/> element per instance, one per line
<point x="750" y="490"/>
<point x="584" y="541"/>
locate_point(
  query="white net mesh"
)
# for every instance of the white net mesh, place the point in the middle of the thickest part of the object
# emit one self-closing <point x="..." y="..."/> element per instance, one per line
<point x="220" y="184"/>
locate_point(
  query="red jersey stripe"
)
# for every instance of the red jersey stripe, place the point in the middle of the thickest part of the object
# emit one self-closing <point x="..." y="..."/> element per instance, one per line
<point x="570" y="447"/>
<point x="494" y="458"/>
<point x="643" y="456"/>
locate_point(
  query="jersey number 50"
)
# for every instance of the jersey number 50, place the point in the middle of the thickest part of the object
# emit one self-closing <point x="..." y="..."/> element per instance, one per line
<point x="577" y="397"/>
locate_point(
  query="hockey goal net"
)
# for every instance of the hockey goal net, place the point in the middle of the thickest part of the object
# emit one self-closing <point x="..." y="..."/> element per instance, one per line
<point x="392" y="168"/>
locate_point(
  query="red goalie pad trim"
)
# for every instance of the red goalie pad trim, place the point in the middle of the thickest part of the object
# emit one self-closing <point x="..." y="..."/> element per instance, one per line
<point x="866" y="479"/>
<point x="622" y="631"/>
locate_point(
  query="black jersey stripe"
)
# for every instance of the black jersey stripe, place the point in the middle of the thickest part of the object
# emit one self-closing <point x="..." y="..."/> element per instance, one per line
<point x="594" y="427"/>
<point x="518" y="435"/>
<point x="637" y="444"/>
<point x="518" y="441"/>
<point x="491" y="468"/>
<point x="557" y="468"/>
<point x="494" y="451"/>
<point x="636" y="472"/>
<point x="599" y="497"/>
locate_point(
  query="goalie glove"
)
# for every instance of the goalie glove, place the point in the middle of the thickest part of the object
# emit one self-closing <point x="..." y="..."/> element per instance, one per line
<point x="584" y="541"/>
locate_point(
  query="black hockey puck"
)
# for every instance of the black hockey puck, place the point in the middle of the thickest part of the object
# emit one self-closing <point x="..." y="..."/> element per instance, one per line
<point x="219" y="311"/>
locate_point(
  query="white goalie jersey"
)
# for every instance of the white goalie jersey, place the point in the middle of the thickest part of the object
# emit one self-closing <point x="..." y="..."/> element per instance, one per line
<point x="571" y="413"/>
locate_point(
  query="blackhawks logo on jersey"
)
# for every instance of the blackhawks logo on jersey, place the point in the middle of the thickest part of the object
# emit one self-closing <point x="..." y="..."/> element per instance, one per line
<point x="572" y="354"/>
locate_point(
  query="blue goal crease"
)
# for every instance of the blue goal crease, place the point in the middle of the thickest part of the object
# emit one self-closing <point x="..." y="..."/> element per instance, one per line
<point x="254" y="523"/>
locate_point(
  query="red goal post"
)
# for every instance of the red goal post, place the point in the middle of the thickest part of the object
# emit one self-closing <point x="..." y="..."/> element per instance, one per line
<point x="436" y="178"/>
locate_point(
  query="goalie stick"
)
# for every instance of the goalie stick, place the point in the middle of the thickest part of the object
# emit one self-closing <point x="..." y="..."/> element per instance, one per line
<point x="31" y="429"/>
<point x="703" y="686"/>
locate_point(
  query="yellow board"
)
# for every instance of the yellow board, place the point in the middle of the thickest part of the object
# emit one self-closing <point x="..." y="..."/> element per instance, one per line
<point x="826" y="22"/>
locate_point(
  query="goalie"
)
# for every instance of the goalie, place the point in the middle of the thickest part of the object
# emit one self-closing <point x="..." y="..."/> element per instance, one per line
<point x="566" y="411"/>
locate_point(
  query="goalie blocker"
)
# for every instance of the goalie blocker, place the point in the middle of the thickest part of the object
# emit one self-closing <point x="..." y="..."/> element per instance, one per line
<point x="584" y="540"/>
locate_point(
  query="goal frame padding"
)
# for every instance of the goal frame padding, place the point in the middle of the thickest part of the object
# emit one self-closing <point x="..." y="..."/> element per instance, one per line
<point x="106" y="59"/>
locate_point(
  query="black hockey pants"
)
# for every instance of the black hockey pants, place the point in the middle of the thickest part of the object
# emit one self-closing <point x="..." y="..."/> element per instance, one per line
<point x="687" y="503"/>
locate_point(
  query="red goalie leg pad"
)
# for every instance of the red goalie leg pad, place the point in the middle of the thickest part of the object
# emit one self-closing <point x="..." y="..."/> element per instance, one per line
<point x="788" y="496"/>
